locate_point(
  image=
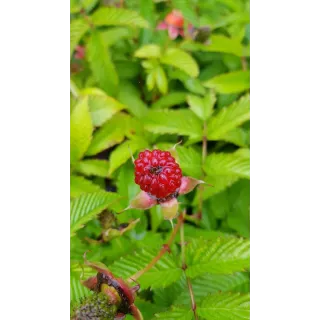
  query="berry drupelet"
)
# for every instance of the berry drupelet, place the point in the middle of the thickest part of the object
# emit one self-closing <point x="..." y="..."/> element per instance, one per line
<point x="158" y="174"/>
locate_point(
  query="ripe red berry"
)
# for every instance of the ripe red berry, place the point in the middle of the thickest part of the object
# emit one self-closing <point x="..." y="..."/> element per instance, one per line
<point x="157" y="173"/>
<point x="175" y="19"/>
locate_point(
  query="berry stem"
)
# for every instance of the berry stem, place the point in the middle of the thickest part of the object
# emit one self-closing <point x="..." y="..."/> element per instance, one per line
<point x="184" y="267"/>
<point x="165" y="248"/>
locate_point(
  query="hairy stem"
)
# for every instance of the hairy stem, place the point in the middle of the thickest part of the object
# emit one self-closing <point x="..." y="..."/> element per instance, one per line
<point x="165" y="248"/>
<point x="184" y="267"/>
<point x="244" y="64"/>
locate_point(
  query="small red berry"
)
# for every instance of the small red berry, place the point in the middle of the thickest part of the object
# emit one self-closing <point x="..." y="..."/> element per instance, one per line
<point x="157" y="173"/>
<point x="175" y="19"/>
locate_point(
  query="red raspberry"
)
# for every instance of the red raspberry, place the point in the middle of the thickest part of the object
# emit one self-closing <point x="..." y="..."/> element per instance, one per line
<point x="157" y="173"/>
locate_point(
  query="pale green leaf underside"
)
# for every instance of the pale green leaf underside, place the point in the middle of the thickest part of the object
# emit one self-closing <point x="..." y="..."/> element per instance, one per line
<point x="229" y="118"/>
<point x="77" y="290"/>
<point x="165" y="272"/>
<point x="222" y="256"/>
<point x="182" y="122"/>
<point x="232" y="82"/>
<point x="118" y="17"/>
<point x="225" y="306"/>
<point x="87" y="206"/>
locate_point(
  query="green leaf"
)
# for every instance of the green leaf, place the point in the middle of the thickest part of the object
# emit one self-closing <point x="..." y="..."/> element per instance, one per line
<point x="80" y="130"/>
<point x="219" y="183"/>
<point x="101" y="106"/>
<point x="165" y="271"/>
<point x="77" y="30"/>
<point x="229" y="164"/>
<point x="77" y="290"/>
<point x="237" y="136"/>
<point x="232" y="82"/>
<point x="239" y="207"/>
<point x="88" y="206"/>
<point x="125" y="183"/>
<point x="175" y="313"/>
<point x="127" y="69"/>
<point x="192" y="84"/>
<point x="80" y="185"/>
<point x="190" y="161"/>
<point x="130" y="96"/>
<point x="148" y="51"/>
<point x="223" y="256"/>
<point x="102" y="67"/>
<point x="225" y="306"/>
<point x="77" y="5"/>
<point x="110" y="134"/>
<point x="181" y="60"/>
<point x="118" y="17"/>
<point x="161" y="80"/>
<point x="224" y="44"/>
<point x="114" y="35"/>
<point x="213" y="283"/>
<point x="93" y="167"/>
<point x="229" y="118"/>
<point x="166" y="297"/>
<point x="202" y="107"/>
<point x="122" y="153"/>
<point x="182" y="122"/>
<point x="151" y="80"/>
<point x="170" y="100"/>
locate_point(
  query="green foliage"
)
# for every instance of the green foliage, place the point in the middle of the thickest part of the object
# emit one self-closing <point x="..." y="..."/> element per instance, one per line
<point x="77" y="30"/>
<point x="102" y="67"/>
<point x="232" y="82"/>
<point x="80" y="130"/>
<point x="87" y="206"/>
<point x="182" y="122"/>
<point x="117" y="17"/>
<point x="133" y="88"/>
<point x="165" y="272"/>
<point x="220" y="256"/>
<point x="225" y="306"/>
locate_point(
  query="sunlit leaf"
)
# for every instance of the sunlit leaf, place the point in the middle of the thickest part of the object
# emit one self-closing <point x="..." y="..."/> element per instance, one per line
<point x="232" y="82"/>
<point x="80" y="130"/>
<point x="181" y="60"/>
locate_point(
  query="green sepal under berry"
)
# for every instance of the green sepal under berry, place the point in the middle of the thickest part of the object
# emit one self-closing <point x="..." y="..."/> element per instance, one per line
<point x="94" y="307"/>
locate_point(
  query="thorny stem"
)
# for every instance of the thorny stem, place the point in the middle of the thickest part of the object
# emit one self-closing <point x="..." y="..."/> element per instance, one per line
<point x="184" y="267"/>
<point x="165" y="248"/>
